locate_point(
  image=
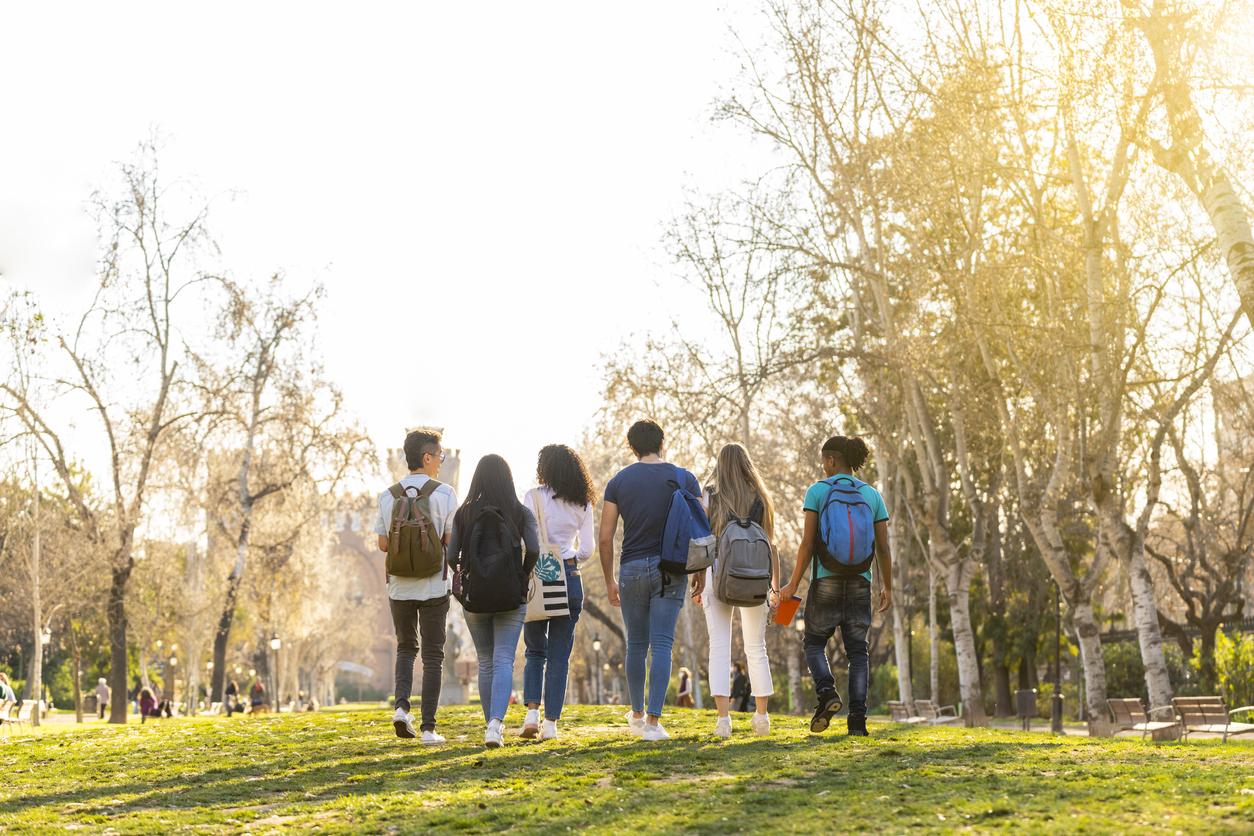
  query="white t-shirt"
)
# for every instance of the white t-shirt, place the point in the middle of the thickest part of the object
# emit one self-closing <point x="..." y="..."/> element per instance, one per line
<point x="568" y="526"/>
<point x="443" y="505"/>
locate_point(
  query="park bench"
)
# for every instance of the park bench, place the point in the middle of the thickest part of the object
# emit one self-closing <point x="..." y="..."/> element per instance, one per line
<point x="935" y="714"/>
<point x="1130" y="715"/>
<point x="899" y="711"/>
<point x="1209" y="716"/>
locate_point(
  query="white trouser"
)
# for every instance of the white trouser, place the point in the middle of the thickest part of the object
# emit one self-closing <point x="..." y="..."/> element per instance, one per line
<point x="718" y="621"/>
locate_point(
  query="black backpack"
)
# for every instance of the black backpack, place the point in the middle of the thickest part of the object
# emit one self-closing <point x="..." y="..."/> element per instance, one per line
<point x="490" y="576"/>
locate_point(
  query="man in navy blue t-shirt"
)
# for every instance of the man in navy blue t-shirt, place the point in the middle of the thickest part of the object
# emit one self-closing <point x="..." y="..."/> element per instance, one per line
<point x="650" y="599"/>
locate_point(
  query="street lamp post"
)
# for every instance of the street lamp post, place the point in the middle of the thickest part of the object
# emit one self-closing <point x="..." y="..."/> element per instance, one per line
<point x="1055" y="714"/>
<point x="174" y="663"/>
<point x="45" y="639"/>
<point x="275" y="645"/>
<point x="596" y="648"/>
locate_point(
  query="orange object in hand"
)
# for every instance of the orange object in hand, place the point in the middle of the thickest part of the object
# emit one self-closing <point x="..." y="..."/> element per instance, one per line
<point x="787" y="609"/>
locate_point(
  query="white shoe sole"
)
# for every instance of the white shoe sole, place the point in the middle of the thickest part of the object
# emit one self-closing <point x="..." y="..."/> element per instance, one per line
<point x="492" y="744"/>
<point x="403" y="730"/>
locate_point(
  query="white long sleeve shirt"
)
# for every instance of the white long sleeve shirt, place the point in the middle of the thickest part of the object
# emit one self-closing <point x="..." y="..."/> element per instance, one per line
<point x="566" y="525"/>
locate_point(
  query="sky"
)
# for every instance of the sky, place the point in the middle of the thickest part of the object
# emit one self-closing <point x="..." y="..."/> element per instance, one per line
<point x="484" y="185"/>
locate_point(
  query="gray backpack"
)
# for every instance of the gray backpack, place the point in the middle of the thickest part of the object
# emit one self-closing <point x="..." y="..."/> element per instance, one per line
<point x="742" y="568"/>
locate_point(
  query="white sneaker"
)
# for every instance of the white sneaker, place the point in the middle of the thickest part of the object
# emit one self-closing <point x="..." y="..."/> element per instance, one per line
<point x="431" y="738"/>
<point x="655" y="732"/>
<point x="403" y="722"/>
<point x="635" y="724"/>
<point x="531" y="725"/>
<point x="723" y="727"/>
<point x="548" y="731"/>
<point x="492" y="736"/>
<point x="761" y="724"/>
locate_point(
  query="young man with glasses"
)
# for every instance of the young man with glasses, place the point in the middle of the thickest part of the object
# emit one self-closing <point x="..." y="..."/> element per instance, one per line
<point x="419" y="605"/>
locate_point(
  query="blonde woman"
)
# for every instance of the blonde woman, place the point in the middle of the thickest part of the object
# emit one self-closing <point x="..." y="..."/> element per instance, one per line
<point x="737" y="493"/>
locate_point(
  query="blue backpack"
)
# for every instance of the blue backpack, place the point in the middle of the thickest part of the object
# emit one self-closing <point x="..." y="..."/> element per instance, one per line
<point x="687" y="542"/>
<point x="846" y="529"/>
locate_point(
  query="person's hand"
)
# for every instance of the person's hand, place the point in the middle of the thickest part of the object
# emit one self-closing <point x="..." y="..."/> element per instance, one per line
<point x="697" y="584"/>
<point x="886" y="600"/>
<point x="787" y="591"/>
<point x="611" y="589"/>
<point x="772" y="599"/>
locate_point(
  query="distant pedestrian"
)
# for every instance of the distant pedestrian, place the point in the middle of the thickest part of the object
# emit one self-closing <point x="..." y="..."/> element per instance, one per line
<point x="230" y="698"/>
<point x="6" y="690"/>
<point x="102" y="697"/>
<point x="684" y="698"/>
<point x="257" y="698"/>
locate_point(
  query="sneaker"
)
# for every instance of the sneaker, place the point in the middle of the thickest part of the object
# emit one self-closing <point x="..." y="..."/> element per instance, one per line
<point x="635" y="725"/>
<point x="431" y="738"/>
<point x="531" y="725"/>
<point x="857" y="727"/>
<point x="548" y="731"/>
<point x="492" y="736"/>
<point x="723" y="727"/>
<point x="829" y="705"/>
<point x="654" y="732"/>
<point x="403" y="722"/>
<point x="761" y="724"/>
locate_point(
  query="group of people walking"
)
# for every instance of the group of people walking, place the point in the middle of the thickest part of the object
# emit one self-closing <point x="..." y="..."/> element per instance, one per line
<point x="505" y="560"/>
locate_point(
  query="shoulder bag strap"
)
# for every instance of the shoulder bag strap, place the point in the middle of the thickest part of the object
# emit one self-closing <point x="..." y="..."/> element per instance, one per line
<point x="429" y="487"/>
<point x="543" y="537"/>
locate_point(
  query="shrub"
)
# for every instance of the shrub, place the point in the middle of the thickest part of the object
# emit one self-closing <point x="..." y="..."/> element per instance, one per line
<point x="1234" y="667"/>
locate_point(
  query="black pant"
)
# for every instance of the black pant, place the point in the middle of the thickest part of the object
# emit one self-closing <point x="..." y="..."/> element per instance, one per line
<point x="415" y="620"/>
<point x="843" y="603"/>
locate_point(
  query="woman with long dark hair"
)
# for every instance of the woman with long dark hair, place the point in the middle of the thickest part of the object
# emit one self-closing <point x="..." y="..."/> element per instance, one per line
<point x="564" y="500"/>
<point x="491" y="573"/>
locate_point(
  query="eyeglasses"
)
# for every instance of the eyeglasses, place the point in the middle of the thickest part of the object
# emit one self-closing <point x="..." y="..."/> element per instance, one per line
<point x="443" y="454"/>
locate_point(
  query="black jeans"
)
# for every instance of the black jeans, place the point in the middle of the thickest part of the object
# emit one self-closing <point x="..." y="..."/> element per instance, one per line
<point x="844" y="603"/>
<point x="415" y="621"/>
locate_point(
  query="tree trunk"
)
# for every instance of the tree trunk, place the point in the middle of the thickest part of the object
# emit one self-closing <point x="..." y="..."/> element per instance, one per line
<point x="1148" y="632"/>
<point x="933" y="640"/>
<point x="794" y="676"/>
<point x="35" y="684"/>
<point x="222" y="637"/>
<point x="901" y="647"/>
<point x="119" y="681"/>
<point x="78" y="674"/>
<point x="958" y="586"/>
<point x="1088" y="633"/>
<point x="694" y="664"/>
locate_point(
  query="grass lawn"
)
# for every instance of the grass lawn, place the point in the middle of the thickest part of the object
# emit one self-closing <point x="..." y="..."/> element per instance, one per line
<point x="344" y="770"/>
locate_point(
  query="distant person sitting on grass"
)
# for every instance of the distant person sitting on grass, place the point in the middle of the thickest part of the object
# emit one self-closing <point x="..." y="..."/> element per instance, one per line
<point x="102" y="697"/>
<point x="846" y="532"/>
<point x="413" y="526"/>
<point x="148" y="705"/>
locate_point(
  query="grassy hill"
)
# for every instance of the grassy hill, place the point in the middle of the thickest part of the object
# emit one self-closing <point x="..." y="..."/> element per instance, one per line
<point x="343" y="770"/>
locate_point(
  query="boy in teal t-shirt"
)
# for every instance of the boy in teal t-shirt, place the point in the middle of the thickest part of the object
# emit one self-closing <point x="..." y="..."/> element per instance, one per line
<point x="817" y="495"/>
<point x="837" y="601"/>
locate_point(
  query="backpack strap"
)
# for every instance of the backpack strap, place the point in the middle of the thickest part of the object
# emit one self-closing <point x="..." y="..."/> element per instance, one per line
<point x="429" y="487"/>
<point x="397" y="491"/>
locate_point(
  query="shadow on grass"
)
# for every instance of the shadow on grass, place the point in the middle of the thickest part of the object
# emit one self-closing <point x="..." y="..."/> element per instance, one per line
<point x="601" y="777"/>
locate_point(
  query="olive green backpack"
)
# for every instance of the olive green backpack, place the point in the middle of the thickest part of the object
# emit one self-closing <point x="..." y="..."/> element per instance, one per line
<point x="415" y="549"/>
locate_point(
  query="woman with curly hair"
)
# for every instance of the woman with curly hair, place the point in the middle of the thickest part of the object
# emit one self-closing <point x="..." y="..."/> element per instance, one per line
<point x="565" y="496"/>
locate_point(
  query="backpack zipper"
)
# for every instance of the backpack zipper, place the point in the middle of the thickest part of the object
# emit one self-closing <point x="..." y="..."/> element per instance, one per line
<point x="849" y="515"/>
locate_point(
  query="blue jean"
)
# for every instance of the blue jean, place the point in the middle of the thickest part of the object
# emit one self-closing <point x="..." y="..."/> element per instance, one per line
<point x="843" y="603"/>
<point x="496" y="641"/>
<point x="651" y="603"/>
<point x="548" y="652"/>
